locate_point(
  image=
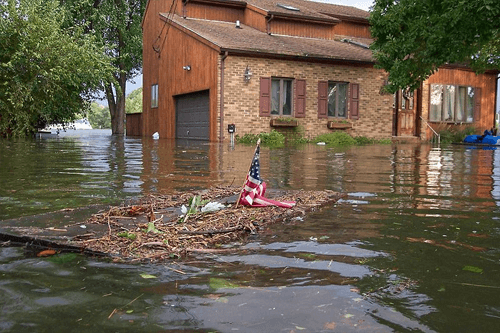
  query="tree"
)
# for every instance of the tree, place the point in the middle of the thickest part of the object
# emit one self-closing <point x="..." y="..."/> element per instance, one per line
<point x="47" y="74"/>
<point x="413" y="38"/>
<point x="117" y="24"/>
<point x="134" y="101"/>
<point x="99" y="116"/>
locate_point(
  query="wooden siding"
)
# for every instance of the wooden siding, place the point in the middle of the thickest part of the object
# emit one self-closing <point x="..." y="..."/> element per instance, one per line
<point x="465" y="77"/>
<point x="152" y="27"/>
<point x="165" y="68"/>
<point x="134" y="124"/>
<point x="185" y="50"/>
<point x="301" y="29"/>
<point x="352" y="29"/>
<point x="255" y="20"/>
<point x="211" y="12"/>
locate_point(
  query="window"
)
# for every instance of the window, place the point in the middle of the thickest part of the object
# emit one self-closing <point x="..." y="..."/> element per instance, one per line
<point x="337" y="99"/>
<point x="451" y="103"/>
<point x="281" y="97"/>
<point x="154" y="96"/>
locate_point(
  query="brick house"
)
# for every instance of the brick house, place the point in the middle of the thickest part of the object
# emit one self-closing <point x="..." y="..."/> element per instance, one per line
<point x="256" y="63"/>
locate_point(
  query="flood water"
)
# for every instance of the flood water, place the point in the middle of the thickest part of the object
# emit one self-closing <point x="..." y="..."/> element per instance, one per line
<point x="414" y="247"/>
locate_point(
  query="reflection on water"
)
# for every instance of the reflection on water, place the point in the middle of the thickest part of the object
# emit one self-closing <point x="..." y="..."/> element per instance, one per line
<point x="413" y="247"/>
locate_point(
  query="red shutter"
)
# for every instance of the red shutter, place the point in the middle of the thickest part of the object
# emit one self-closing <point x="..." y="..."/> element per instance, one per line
<point x="323" y="99"/>
<point x="477" y="105"/>
<point x="354" y="114"/>
<point x="265" y="97"/>
<point x="300" y="98"/>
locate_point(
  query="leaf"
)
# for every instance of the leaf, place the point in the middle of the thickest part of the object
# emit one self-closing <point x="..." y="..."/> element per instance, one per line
<point x="473" y="269"/>
<point x="63" y="258"/>
<point x="152" y="228"/>
<point x="46" y="253"/>
<point x="130" y="311"/>
<point x="330" y="326"/>
<point x="300" y="328"/>
<point x="148" y="276"/>
<point x="216" y="283"/>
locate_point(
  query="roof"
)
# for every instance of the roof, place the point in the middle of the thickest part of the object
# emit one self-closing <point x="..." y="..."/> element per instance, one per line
<point x="226" y="37"/>
<point x="311" y="9"/>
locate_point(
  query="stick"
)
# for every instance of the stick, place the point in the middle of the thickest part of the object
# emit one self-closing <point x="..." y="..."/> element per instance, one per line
<point x="244" y="182"/>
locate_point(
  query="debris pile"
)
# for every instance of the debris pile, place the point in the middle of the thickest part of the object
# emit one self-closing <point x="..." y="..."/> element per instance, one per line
<point x="170" y="226"/>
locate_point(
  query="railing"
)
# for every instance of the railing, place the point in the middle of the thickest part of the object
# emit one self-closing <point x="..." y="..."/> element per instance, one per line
<point x="436" y="134"/>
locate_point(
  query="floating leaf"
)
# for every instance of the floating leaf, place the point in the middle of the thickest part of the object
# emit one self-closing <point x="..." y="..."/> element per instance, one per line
<point x="348" y="315"/>
<point x="300" y="328"/>
<point x="130" y="311"/>
<point x="330" y="326"/>
<point x="63" y="258"/>
<point x="148" y="276"/>
<point x="46" y="253"/>
<point x="473" y="269"/>
<point x="216" y="283"/>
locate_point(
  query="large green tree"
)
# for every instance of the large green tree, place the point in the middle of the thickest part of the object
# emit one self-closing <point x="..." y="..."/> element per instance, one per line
<point x="134" y="101"/>
<point x="415" y="37"/>
<point x="47" y="74"/>
<point x="117" y="24"/>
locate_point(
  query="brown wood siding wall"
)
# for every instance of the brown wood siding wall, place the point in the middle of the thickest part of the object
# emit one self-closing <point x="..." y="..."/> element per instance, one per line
<point x="255" y="20"/>
<point x="463" y="77"/>
<point x="152" y="26"/>
<point x="210" y="12"/>
<point x="134" y="124"/>
<point x="301" y="29"/>
<point x="184" y="50"/>
<point x="352" y="29"/>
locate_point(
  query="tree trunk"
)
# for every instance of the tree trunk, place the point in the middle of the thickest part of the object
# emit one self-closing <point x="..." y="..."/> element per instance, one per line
<point x="116" y="103"/>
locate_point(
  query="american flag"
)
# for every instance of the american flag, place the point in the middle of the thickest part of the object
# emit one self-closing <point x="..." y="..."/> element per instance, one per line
<point x="254" y="188"/>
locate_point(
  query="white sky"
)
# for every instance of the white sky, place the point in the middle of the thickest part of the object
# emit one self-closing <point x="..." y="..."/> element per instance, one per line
<point x="365" y="5"/>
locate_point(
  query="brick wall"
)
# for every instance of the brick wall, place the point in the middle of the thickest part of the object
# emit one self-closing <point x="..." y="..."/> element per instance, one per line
<point x="241" y="99"/>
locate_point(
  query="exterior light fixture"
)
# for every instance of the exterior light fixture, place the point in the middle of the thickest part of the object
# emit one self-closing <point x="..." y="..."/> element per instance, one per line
<point x="247" y="75"/>
<point x="186" y="68"/>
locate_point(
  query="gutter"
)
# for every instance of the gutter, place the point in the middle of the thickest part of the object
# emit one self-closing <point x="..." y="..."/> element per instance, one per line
<point x="221" y="99"/>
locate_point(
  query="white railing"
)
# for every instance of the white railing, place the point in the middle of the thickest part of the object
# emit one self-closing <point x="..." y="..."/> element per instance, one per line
<point x="436" y="134"/>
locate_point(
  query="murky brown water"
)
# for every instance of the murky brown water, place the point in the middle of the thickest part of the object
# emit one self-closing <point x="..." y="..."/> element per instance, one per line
<point x="414" y="246"/>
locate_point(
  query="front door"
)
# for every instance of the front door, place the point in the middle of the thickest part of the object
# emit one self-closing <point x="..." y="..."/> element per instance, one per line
<point x="404" y="114"/>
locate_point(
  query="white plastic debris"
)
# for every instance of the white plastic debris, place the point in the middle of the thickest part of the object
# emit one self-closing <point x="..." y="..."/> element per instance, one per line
<point x="156" y="135"/>
<point x="184" y="209"/>
<point x="321" y="143"/>
<point x="212" y="207"/>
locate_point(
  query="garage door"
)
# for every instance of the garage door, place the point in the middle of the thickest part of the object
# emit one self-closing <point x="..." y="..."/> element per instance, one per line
<point x="192" y="116"/>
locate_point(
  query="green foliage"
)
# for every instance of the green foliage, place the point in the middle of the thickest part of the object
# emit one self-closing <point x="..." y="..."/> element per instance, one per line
<point x="273" y="138"/>
<point x="335" y="139"/>
<point x="133" y="103"/>
<point x="414" y="37"/>
<point x="99" y="116"/>
<point x="454" y="134"/>
<point x="117" y="26"/>
<point x="48" y="74"/>
<point x="363" y="140"/>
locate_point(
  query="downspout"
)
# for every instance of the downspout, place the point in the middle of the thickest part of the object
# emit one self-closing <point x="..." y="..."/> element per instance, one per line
<point x="221" y="107"/>
<point x="268" y="25"/>
<point x="184" y="11"/>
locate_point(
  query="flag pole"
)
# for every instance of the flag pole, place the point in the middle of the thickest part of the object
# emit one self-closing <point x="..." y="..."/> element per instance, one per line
<point x="244" y="182"/>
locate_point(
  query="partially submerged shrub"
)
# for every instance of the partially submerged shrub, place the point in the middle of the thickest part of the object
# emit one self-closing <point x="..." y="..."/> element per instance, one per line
<point x="335" y="139"/>
<point x="273" y="138"/>
<point x="455" y="134"/>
